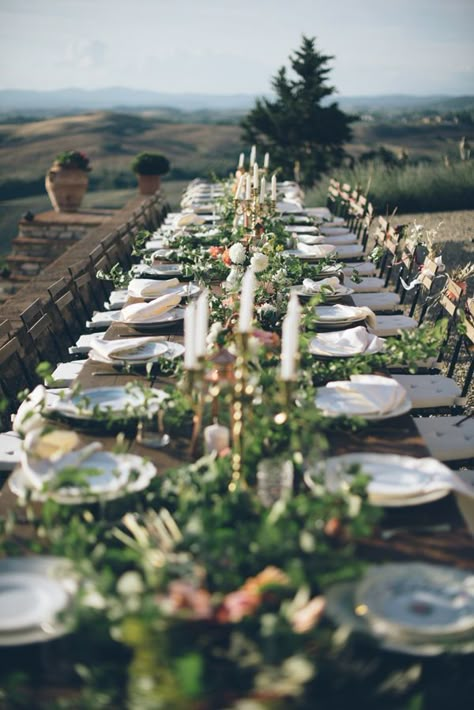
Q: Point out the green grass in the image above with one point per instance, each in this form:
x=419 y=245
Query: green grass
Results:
x=412 y=188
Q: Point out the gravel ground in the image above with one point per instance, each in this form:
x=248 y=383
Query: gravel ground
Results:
x=456 y=234
x=455 y=231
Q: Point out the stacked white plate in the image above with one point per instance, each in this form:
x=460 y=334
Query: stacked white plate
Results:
x=395 y=481
x=330 y=296
x=346 y=343
x=338 y=315
x=104 y=476
x=34 y=592
x=119 y=401
x=312 y=252
x=139 y=354
x=369 y=396
x=416 y=608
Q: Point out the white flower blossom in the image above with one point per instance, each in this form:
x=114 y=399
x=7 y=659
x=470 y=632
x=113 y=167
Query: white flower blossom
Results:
x=259 y=262
x=266 y=308
x=213 y=333
x=237 y=253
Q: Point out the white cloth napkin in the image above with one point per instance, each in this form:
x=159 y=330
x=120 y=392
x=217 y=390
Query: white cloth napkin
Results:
x=346 y=343
x=332 y=283
x=349 y=313
x=149 y=312
x=112 y=349
x=189 y=218
x=142 y=288
x=362 y=395
x=317 y=250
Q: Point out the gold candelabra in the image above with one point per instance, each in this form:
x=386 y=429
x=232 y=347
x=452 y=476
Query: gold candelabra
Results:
x=242 y=394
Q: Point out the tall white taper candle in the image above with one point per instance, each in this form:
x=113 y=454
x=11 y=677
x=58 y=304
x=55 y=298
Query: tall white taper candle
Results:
x=246 y=301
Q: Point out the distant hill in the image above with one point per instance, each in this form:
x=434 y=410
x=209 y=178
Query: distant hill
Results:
x=75 y=100
x=71 y=101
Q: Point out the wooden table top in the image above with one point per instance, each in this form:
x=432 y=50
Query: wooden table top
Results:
x=434 y=532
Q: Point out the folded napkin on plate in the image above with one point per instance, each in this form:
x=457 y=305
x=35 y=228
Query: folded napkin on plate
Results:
x=309 y=239
x=362 y=395
x=149 y=312
x=319 y=250
x=116 y=349
x=342 y=312
x=345 y=343
x=332 y=283
x=141 y=288
x=189 y=218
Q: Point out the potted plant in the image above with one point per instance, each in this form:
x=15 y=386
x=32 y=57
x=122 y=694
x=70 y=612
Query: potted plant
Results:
x=149 y=167
x=67 y=180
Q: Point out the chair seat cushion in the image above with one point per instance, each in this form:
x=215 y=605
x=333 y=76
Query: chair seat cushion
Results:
x=446 y=441
x=369 y=284
x=349 y=238
x=363 y=268
x=383 y=301
x=349 y=251
x=430 y=390
x=65 y=373
x=391 y=325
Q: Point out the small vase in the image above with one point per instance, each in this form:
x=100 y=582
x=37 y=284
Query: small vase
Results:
x=66 y=187
x=148 y=184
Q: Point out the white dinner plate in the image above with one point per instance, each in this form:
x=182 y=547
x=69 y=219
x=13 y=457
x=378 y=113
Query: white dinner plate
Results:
x=329 y=296
x=111 y=476
x=395 y=480
x=325 y=346
x=301 y=229
x=418 y=600
x=341 y=606
x=159 y=271
x=174 y=315
x=116 y=400
x=33 y=592
x=326 y=250
x=336 y=407
x=148 y=353
x=28 y=599
x=118 y=299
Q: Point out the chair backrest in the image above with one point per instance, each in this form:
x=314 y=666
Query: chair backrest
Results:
x=14 y=372
x=428 y=273
x=466 y=339
x=33 y=313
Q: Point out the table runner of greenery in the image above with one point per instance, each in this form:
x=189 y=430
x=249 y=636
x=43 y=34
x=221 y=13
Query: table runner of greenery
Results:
x=196 y=597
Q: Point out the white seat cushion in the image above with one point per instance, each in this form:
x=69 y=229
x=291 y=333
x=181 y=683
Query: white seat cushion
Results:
x=363 y=268
x=65 y=373
x=391 y=325
x=10 y=448
x=369 y=284
x=84 y=343
x=446 y=441
x=349 y=251
x=383 y=301
x=431 y=390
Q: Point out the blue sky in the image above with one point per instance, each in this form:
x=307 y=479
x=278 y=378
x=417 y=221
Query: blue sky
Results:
x=217 y=46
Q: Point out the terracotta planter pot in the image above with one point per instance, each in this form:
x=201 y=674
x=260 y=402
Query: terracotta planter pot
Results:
x=66 y=187
x=148 y=184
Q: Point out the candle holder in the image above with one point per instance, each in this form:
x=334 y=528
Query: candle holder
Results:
x=194 y=388
x=242 y=391
x=288 y=401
